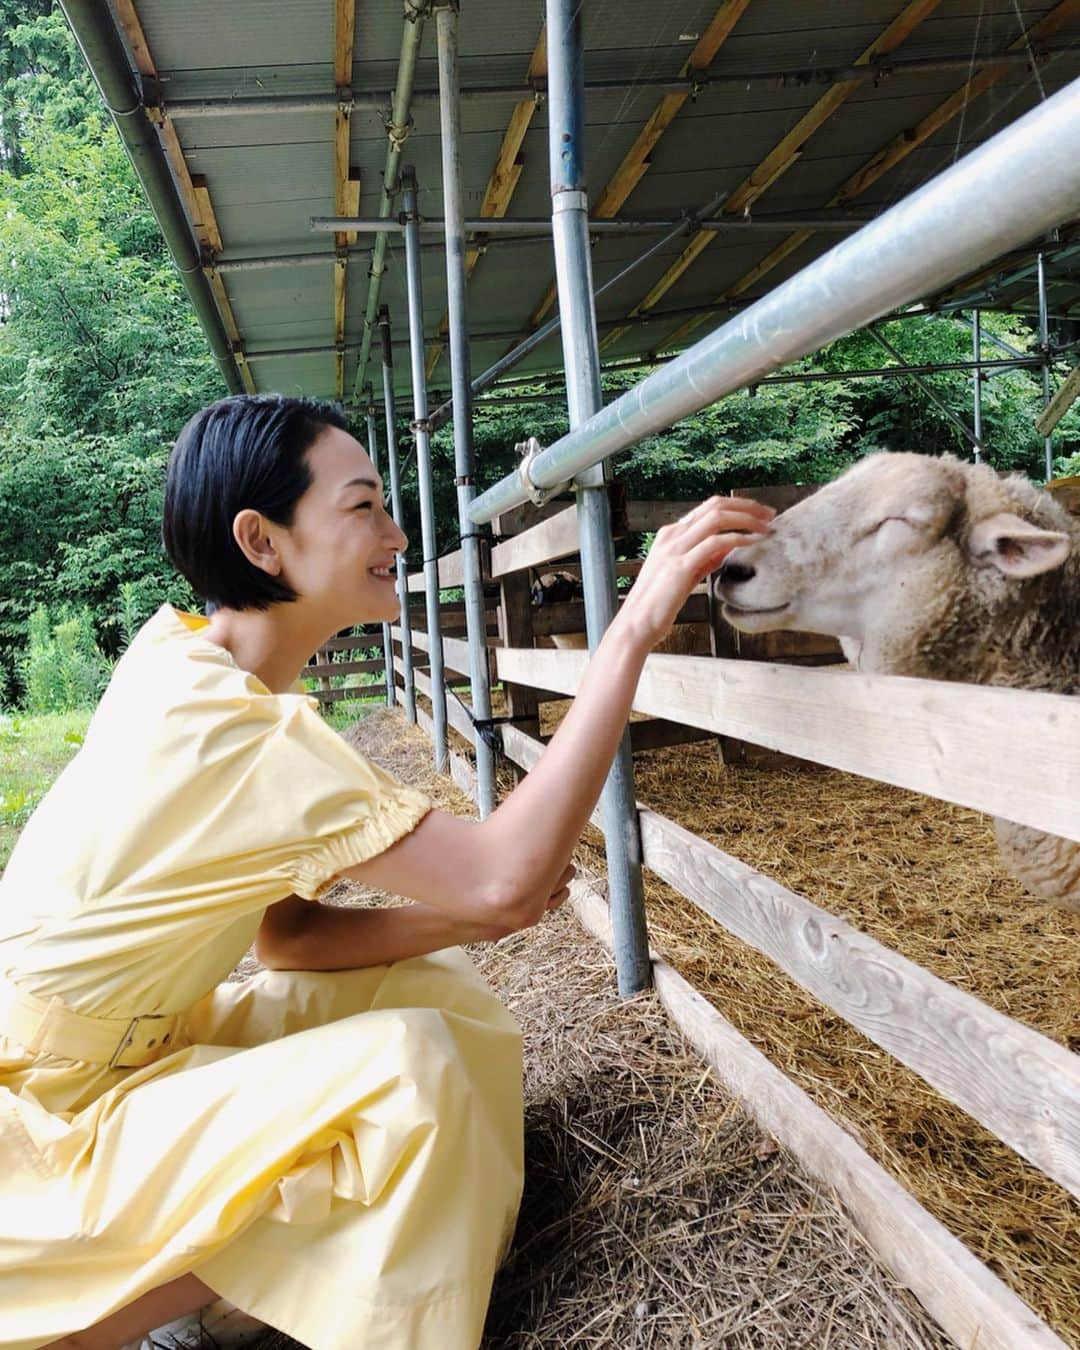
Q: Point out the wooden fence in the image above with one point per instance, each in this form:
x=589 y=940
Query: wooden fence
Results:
x=1005 y=752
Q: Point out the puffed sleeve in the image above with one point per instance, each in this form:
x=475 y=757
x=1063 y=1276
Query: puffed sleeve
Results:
x=349 y=809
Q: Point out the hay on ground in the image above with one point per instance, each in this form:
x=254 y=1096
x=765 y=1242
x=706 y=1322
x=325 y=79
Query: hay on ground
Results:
x=924 y=878
x=656 y=1213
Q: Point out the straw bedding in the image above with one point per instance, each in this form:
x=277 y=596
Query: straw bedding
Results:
x=924 y=878
x=656 y=1215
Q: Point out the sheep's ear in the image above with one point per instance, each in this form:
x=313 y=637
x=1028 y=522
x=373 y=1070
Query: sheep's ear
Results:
x=1015 y=547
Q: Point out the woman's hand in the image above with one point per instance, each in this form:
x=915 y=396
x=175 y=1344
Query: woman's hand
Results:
x=682 y=556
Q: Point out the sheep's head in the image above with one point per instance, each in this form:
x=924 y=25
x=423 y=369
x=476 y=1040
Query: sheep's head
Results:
x=892 y=549
x=555 y=588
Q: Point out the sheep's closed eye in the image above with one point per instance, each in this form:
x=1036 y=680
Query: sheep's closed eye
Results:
x=888 y=520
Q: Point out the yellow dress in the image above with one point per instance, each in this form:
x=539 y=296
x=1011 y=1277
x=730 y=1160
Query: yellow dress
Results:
x=338 y=1154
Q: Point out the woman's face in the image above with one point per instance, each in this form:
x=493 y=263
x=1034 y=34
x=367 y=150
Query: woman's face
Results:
x=338 y=554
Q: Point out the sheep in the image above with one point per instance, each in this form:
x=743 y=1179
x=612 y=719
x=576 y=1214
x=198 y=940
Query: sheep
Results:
x=934 y=568
x=554 y=588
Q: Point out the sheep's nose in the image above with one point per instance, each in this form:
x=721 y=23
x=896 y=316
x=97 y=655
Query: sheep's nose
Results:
x=733 y=571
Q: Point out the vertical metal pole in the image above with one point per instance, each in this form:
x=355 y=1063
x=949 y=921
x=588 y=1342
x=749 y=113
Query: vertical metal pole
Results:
x=976 y=383
x=573 y=270
x=1044 y=345
x=460 y=375
x=396 y=508
x=423 y=465
x=388 y=650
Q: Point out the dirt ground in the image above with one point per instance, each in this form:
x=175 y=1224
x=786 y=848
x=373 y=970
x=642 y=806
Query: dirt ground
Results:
x=656 y=1214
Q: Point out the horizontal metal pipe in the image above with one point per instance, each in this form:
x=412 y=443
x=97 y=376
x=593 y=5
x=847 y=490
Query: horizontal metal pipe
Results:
x=264 y=264
x=506 y=395
x=281 y=260
x=230 y=105
x=619 y=225
x=506 y=401
x=1023 y=182
x=517 y=354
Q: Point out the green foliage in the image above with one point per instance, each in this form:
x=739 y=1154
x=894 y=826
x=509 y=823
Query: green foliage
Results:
x=33 y=750
x=102 y=361
x=62 y=668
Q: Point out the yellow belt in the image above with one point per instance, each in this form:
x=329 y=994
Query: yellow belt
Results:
x=118 y=1042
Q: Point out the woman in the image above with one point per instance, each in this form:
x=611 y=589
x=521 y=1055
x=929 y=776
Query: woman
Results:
x=334 y=1145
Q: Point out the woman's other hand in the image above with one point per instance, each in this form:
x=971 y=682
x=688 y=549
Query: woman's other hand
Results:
x=682 y=556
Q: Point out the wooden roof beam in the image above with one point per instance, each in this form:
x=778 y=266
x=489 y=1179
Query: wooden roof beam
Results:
x=785 y=152
x=897 y=150
x=503 y=181
x=194 y=191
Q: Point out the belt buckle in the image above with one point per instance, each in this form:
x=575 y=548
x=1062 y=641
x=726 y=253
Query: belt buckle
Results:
x=151 y=1048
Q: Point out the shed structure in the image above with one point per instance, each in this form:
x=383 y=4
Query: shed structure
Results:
x=778 y=174
x=803 y=118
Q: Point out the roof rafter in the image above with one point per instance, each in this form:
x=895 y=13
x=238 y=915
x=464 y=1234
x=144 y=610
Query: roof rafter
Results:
x=503 y=181
x=786 y=151
x=346 y=179
x=898 y=149
x=635 y=163
x=193 y=188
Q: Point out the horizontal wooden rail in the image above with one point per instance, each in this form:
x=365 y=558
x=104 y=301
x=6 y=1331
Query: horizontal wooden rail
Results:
x=456 y=714
x=568 y=616
x=973 y=1306
x=628 y=567
x=455 y=651
x=644 y=517
x=352 y=644
x=451 y=573
x=1021 y=1085
x=342 y=668
x=1007 y=752
x=461 y=771
x=354 y=692
x=557 y=536
x=554 y=538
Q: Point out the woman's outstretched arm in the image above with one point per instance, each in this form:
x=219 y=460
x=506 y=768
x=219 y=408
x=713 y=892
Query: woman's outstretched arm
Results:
x=504 y=873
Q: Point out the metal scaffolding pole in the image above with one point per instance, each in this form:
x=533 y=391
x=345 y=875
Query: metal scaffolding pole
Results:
x=464 y=458
x=581 y=355
x=977 y=383
x=397 y=133
x=938 y=402
x=423 y=467
x=1044 y=348
x=388 y=651
x=1022 y=183
x=696 y=81
x=496 y=228
x=396 y=508
x=517 y=354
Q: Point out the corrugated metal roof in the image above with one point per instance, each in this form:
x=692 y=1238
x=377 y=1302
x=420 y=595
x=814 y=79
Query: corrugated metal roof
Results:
x=269 y=173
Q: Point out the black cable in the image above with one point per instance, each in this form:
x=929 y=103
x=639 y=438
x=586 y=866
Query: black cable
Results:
x=485 y=726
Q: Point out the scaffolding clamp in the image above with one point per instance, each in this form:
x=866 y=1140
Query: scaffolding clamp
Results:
x=397 y=133
x=529 y=450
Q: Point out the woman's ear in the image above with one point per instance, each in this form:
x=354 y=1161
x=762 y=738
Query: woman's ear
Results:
x=253 y=536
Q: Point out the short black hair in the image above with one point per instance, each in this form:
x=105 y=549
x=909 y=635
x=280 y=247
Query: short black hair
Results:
x=244 y=452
